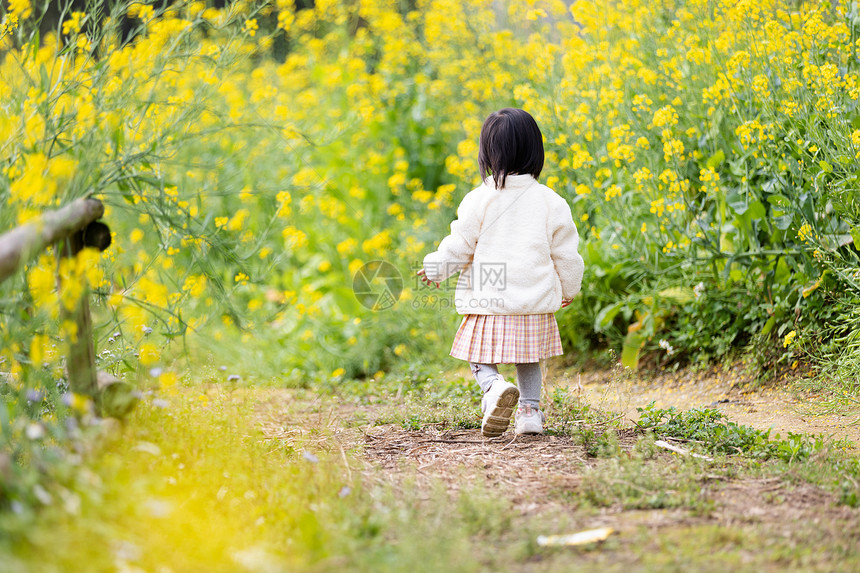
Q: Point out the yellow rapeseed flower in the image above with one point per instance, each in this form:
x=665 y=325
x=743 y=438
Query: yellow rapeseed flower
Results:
x=167 y=380
x=613 y=191
x=665 y=117
x=148 y=354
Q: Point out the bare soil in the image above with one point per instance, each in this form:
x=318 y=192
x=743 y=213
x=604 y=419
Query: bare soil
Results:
x=532 y=469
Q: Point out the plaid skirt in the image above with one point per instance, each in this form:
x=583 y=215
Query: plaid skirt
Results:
x=514 y=339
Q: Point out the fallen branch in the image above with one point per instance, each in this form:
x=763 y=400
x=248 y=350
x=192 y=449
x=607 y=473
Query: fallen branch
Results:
x=454 y=441
x=667 y=446
x=511 y=442
x=684 y=440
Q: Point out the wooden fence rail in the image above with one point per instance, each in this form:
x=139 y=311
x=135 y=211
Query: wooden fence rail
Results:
x=70 y=229
x=24 y=242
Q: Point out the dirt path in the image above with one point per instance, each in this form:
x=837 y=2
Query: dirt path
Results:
x=665 y=509
x=668 y=512
x=537 y=476
x=529 y=468
x=772 y=406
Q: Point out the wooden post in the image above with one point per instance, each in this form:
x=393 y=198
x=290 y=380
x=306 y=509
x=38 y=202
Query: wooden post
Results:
x=64 y=227
x=71 y=229
x=81 y=363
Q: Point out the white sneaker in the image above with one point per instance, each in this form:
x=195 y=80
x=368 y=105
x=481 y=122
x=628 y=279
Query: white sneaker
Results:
x=498 y=405
x=529 y=420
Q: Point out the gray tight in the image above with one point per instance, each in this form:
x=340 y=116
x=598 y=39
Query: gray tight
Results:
x=528 y=379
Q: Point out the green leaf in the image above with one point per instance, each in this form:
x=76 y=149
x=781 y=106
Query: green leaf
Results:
x=772 y=185
x=778 y=200
x=784 y=222
x=44 y=80
x=825 y=166
x=633 y=343
x=678 y=294
x=606 y=315
x=768 y=326
x=125 y=189
x=153 y=180
x=739 y=207
x=35 y=43
x=782 y=272
x=807 y=208
x=855 y=236
x=756 y=211
x=715 y=159
x=727 y=243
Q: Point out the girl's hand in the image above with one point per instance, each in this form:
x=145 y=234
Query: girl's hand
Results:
x=565 y=302
x=425 y=280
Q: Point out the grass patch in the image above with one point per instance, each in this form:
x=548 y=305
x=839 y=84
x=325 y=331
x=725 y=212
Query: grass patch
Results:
x=413 y=397
x=637 y=483
x=446 y=413
x=567 y=412
x=195 y=486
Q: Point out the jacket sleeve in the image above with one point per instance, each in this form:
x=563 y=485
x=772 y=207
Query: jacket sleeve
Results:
x=455 y=252
x=564 y=251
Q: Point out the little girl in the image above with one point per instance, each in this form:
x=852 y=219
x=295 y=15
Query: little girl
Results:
x=515 y=245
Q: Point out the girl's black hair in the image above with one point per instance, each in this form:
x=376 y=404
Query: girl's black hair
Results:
x=511 y=143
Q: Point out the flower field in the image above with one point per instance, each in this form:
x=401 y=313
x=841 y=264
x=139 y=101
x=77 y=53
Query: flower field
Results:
x=253 y=158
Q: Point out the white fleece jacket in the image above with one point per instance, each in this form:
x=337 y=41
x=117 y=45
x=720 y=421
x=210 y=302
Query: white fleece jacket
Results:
x=515 y=249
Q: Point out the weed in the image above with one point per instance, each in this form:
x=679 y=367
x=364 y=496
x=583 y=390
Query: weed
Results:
x=483 y=513
x=413 y=413
x=835 y=378
x=711 y=430
x=636 y=482
x=598 y=443
x=849 y=493
x=566 y=412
